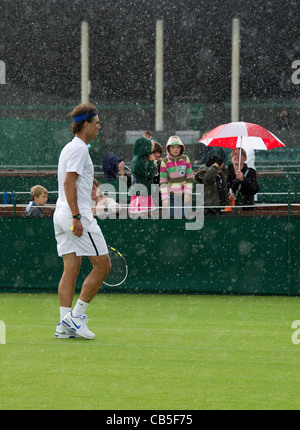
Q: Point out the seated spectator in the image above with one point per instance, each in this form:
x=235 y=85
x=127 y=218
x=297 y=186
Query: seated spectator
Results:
x=242 y=181
x=213 y=174
x=113 y=167
x=39 y=197
x=101 y=204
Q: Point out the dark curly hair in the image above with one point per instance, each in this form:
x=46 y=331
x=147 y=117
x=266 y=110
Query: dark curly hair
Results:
x=80 y=110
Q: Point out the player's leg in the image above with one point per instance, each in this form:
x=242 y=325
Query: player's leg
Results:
x=91 y=244
x=76 y=319
x=66 y=287
x=66 y=291
x=92 y=283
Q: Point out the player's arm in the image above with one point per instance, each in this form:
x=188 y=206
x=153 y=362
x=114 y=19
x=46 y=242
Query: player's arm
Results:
x=71 y=196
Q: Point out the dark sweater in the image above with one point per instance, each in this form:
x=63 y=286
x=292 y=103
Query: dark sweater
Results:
x=244 y=190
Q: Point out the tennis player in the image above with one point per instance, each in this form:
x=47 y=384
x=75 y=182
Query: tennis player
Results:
x=76 y=230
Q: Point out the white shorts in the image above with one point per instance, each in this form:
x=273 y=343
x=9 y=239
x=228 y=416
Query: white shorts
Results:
x=91 y=243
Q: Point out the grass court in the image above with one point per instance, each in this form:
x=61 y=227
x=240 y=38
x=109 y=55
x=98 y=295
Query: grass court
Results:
x=157 y=352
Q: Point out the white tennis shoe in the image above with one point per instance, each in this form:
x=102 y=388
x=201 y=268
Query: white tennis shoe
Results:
x=78 y=325
x=63 y=332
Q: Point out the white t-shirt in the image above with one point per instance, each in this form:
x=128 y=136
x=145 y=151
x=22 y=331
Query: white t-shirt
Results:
x=75 y=157
x=106 y=207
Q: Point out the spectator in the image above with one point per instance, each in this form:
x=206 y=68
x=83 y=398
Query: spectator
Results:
x=147 y=134
x=157 y=152
x=242 y=179
x=39 y=197
x=176 y=175
x=211 y=150
x=113 y=167
x=143 y=171
x=284 y=122
x=101 y=204
x=213 y=175
x=95 y=192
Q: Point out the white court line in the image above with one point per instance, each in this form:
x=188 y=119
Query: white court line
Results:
x=216 y=331
x=112 y=345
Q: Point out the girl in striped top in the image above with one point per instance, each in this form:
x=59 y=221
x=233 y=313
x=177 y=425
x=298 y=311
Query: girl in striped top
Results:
x=176 y=175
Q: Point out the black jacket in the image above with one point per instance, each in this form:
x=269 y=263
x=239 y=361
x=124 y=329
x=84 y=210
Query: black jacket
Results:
x=244 y=190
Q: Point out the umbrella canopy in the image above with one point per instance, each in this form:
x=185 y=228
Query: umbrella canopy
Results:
x=241 y=135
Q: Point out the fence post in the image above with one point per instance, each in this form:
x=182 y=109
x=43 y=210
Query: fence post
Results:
x=13 y=198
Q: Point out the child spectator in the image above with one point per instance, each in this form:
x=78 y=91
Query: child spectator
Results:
x=39 y=197
x=143 y=171
x=101 y=204
x=157 y=152
x=176 y=175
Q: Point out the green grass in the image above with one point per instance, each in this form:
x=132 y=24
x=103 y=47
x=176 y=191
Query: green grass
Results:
x=152 y=352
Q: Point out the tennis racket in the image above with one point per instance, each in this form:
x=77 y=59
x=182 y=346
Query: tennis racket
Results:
x=119 y=268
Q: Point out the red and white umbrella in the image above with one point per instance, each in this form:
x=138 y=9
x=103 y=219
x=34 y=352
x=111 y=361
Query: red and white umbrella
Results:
x=241 y=135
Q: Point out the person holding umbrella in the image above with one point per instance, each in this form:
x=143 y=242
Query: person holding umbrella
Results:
x=240 y=136
x=242 y=179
